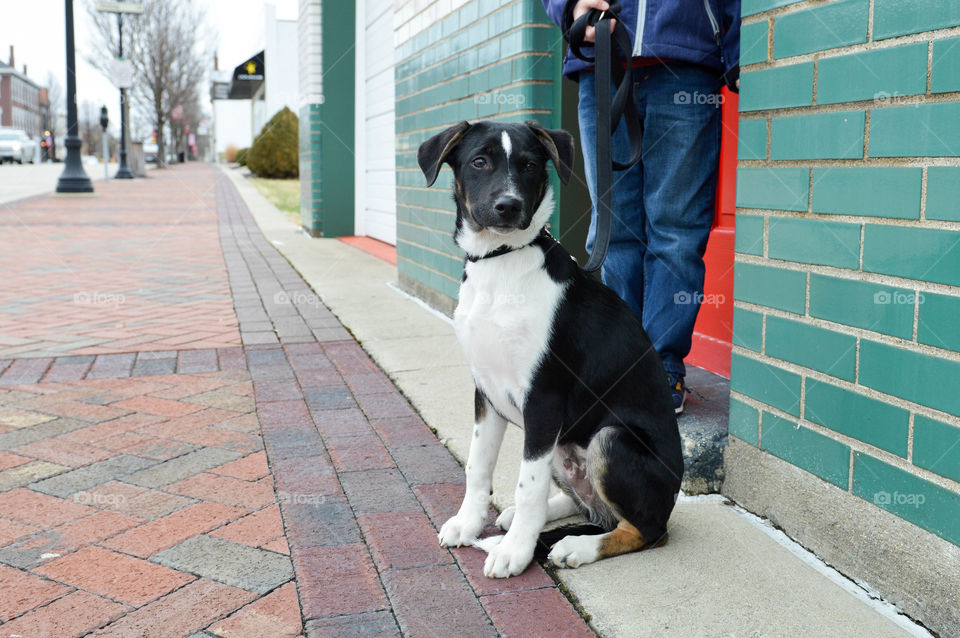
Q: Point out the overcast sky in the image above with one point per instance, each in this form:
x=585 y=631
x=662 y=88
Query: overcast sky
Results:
x=36 y=30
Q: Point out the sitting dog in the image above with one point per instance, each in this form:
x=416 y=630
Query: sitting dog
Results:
x=557 y=353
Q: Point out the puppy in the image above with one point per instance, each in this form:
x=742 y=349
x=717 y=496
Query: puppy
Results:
x=556 y=352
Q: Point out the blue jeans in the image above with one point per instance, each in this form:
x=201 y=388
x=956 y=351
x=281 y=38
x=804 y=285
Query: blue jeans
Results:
x=663 y=207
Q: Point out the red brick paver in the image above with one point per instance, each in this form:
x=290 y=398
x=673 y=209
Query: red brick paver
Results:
x=136 y=268
x=158 y=478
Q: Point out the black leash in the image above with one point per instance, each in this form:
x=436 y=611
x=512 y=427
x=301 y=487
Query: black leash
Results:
x=609 y=112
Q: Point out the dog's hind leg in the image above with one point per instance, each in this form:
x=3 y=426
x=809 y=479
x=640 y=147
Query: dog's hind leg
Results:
x=488 y=429
x=636 y=485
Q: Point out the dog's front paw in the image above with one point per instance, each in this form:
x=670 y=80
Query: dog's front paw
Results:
x=506 y=518
x=573 y=551
x=460 y=530
x=509 y=558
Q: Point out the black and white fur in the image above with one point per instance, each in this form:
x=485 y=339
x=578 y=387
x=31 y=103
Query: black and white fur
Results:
x=556 y=352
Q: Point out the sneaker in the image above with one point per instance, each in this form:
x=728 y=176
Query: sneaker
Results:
x=679 y=391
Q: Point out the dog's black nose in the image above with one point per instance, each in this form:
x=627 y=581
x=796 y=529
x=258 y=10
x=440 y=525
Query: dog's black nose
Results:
x=508 y=206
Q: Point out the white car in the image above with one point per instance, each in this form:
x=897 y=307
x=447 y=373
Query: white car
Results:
x=16 y=146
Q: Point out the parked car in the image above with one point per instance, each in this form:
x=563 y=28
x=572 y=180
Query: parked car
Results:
x=150 y=151
x=16 y=146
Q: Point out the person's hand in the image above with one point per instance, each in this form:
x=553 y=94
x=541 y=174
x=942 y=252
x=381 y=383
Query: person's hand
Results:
x=585 y=5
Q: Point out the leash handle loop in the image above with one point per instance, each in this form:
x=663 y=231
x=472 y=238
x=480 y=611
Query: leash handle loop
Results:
x=610 y=110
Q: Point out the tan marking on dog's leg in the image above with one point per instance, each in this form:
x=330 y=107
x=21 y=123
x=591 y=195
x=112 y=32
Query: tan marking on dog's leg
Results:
x=624 y=539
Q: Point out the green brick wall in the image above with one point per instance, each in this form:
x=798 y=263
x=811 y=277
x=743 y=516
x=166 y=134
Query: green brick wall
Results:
x=486 y=60
x=846 y=328
x=311 y=176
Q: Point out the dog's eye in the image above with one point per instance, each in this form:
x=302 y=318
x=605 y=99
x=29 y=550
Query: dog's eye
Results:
x=530 y=166
x=479 y=162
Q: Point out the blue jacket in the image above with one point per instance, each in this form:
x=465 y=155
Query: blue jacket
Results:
x=702 y=32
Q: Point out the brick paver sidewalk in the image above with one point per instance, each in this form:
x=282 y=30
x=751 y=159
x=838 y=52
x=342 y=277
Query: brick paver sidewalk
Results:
x=160 y=485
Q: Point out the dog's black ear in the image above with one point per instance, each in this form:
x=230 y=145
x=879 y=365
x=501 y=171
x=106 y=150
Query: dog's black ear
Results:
x=559 y=145
x=434 y=151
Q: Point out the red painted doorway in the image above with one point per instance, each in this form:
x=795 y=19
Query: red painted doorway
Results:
x=714 y=328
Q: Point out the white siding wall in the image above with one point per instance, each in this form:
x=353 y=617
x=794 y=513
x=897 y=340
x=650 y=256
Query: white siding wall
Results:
x=375 y=139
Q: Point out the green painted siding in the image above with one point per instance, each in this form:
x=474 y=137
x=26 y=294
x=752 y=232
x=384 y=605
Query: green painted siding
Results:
x=815 y=241
x=884 y=309
x=744 y=421
x=809 y=450
x=873 y=75
x=901 y=17
x=747 y=329
x=768 y=286
x=777 y=88
x=936 y=446
x=765 y=383
x=873 y=192
x=748 y=238
x=848 y=196
x=827 y=351
x=858 y=416
x=820 y=27
x=753 y=43
x=487 y=60
x=752 y=139
x=908 y=496
x=783 y=188
x=821 y=136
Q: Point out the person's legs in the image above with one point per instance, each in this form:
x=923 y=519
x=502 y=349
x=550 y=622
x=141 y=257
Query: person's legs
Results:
x=623 y=268
x=681 y=150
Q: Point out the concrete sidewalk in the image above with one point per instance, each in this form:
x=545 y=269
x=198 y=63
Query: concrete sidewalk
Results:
x=723 y=573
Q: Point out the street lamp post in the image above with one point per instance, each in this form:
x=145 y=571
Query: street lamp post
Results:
x=122 y=172
x=73 y=179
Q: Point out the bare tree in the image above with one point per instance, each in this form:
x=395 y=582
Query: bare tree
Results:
x=57 y=105
x=166 y=46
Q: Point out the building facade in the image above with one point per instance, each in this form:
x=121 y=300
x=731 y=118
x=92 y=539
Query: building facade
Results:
x=838 y=217
x=845 y=375
x=19 y=99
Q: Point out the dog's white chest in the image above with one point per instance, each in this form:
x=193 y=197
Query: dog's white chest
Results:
x=503 y=322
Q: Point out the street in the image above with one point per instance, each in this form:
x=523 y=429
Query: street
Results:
x=19 y=181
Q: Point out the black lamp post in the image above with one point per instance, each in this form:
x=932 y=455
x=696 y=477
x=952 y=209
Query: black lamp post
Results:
x=73 y=179
x=122 y=172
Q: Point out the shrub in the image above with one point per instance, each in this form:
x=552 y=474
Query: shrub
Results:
x=275 y=152
x=230 y=154
x=241 y=157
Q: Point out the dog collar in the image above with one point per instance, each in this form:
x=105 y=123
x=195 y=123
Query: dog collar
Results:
x=503 y=250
